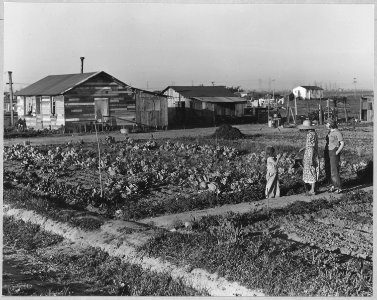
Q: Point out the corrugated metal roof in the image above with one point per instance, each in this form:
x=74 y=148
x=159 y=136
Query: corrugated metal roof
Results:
x=55 y=84
x=201 y=91
x=220 y=99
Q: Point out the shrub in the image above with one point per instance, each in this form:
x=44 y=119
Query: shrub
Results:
x=227 y=132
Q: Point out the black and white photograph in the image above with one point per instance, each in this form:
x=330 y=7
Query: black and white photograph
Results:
x=187 y=148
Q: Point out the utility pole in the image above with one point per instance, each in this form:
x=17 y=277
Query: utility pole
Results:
x=360 y=108
x=345 y=105
x=320 y=111
x=11 y=98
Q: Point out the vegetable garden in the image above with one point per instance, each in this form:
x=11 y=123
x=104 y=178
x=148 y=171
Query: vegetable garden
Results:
x=138 y=179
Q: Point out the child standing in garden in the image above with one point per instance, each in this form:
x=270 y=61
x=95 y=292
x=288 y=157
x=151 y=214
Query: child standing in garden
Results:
x=272 y=185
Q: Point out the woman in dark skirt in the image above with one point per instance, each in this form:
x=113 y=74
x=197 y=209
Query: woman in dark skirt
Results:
x=333 y=148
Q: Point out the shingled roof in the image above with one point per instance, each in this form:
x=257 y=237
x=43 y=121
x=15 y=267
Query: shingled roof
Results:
x=53 y=85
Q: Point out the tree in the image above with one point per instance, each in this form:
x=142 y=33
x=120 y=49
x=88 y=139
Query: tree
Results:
x=235 y=89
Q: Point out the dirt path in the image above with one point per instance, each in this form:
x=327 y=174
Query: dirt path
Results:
x=193 y=132
x=169 y=221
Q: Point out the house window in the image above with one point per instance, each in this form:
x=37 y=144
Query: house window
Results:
x=38 y=105
x=30 y=108
x=53 y=105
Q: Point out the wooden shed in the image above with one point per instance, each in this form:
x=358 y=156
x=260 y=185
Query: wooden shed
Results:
x=367 y=109
x=151 y=110
x=73 y=100
x=202 y=105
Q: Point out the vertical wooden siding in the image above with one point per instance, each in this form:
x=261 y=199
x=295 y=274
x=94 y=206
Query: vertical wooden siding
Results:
x=151 y=110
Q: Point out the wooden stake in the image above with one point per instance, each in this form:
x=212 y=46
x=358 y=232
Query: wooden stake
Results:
x=99 y=161
x=11 y=98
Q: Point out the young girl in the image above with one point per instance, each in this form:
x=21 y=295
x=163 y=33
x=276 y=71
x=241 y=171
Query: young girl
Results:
x=272 y=186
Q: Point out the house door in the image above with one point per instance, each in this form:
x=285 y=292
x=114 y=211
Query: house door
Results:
x=101 y=109
x=181 y=113
x=364 y=115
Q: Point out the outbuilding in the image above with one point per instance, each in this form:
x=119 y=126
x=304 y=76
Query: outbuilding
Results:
x=306 y=92
x=201 y=105
x=73 y=100
x=367 y=109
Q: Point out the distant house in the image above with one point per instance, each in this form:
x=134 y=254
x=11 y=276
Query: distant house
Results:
x=7 y=110
x=188 y=105
x=367 y=109
x=241 y=94
x=73 y=100
x=308 y=92
x=7 y=102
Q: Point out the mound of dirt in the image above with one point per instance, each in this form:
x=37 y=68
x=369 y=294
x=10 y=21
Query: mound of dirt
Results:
x=227 y=132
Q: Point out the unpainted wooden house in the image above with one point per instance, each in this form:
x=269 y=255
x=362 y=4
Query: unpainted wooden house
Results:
x=201 y=105
x=73 y=100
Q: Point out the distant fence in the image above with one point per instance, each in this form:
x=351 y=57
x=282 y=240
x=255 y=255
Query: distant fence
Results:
x=7 y=119
x=107 y=123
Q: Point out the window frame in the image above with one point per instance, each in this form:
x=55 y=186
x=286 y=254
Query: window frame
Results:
x=53 y=106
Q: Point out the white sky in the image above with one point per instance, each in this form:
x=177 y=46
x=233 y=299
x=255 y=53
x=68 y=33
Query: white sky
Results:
x=156 y=45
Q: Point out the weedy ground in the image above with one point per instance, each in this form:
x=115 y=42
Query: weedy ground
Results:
x=37 y=263
x=251 y=249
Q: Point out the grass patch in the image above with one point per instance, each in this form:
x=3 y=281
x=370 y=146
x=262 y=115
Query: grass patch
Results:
x=182 y=203
x=241 y=248
x=51 y=207
x=27 y=236
x=84 y=271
